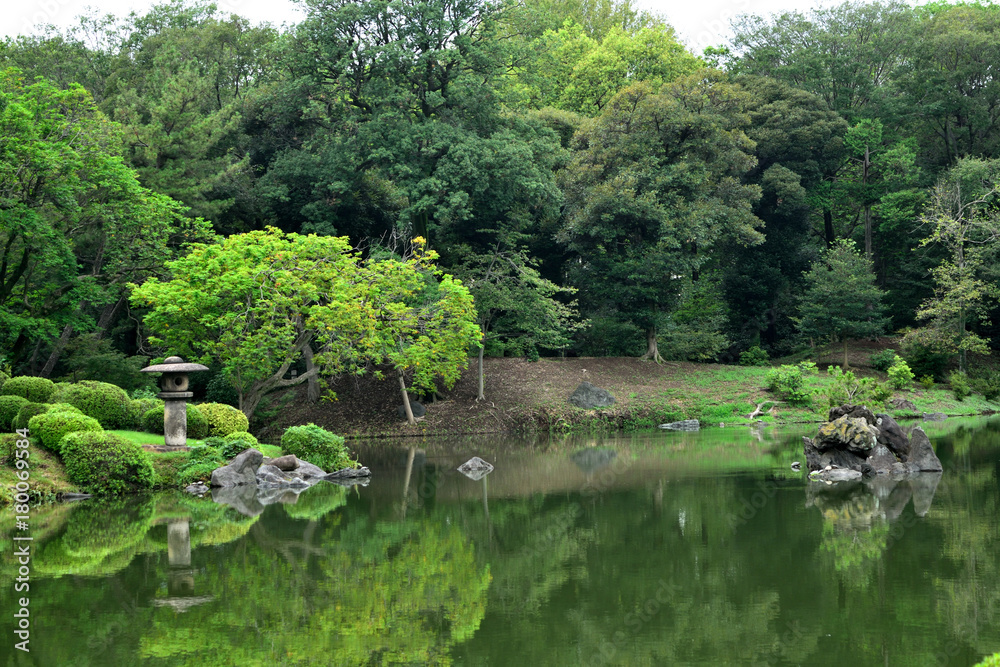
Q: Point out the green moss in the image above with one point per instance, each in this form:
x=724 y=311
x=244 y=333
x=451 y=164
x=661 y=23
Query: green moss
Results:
x=106 y=464
x=50 y=427
x=36 y=390
x=223 y=419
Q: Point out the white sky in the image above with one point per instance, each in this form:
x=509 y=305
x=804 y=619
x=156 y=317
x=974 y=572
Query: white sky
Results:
x=699 y=23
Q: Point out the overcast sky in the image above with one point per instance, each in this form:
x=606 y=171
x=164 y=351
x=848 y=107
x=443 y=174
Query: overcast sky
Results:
x=699 y=23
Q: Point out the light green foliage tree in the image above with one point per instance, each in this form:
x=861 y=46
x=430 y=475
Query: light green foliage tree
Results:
x=962 y=219
x=255 y=302
x=841 y=300
x=653 y=186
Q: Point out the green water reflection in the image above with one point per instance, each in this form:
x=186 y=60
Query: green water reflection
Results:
x=647 y=549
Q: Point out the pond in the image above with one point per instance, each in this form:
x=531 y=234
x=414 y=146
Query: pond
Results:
x=641 y=549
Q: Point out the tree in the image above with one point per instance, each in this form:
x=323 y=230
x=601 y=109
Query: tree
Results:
x=962 y=219
x=255 y=302
x=841 y=299
x=75 y=225
x=654 y=185
x=518 y=309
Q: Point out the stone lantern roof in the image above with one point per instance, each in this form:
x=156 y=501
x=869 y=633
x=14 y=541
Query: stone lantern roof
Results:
x=174 y=365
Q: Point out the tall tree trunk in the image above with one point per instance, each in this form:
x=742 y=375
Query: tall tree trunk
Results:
x=104 y=321
x=406 y=399
x=57 y=349
x=847 y=364
x=868 y=233
x=831 y=236
x=312 y=388
x=481 y=396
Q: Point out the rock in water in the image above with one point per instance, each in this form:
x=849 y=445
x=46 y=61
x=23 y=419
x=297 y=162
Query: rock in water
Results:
x=934 y=416
x=286 y=462
x=881 y=459
x=475 y=468
x=892 y=436
x=922 y=457
x=854 y=411
x=852 y=433
x=589 y=397
x=242 y=470
x=348 y=473
x=902 y=404
x=685 y=425
x=839 y=458
x=416 y=408
x=834 y=475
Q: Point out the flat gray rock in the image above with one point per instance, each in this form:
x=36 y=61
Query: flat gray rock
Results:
x=475 y=468
x=683 y=425
x=835 y=475
x=348 y=473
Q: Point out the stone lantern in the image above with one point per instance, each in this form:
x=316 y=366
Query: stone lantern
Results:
x=174 y=392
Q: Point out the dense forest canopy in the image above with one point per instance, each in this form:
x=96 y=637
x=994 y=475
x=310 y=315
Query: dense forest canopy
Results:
x=600 y=189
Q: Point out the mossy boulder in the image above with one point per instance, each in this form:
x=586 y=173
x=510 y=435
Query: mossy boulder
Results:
x=36 y=390
x=9 y=407
x=197 y=425
x=107 y=403
x=223 y=419
x=851 y=433
x=106 y=464
x=49 y=428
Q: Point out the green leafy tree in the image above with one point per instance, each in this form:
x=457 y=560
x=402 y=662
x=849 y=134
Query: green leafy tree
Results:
x=255 y=303
x=962 y=220
x=518 y=309
x=654 y=185
x=841 y=300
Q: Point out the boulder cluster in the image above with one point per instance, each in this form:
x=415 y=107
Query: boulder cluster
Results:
x=251 y=468
x=856 y=442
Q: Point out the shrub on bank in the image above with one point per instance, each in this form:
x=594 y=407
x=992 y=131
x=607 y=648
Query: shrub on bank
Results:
x=36 y=390
x=107 y=403
x=138 y=407
x=3 y=378
x=223 y=419
x=232 y=444
x=317 y=446
x=9 y=406
x=197 y=425
x=49 y=428
x=106 y=464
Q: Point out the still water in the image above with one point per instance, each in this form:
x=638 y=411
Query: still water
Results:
x=642 y=549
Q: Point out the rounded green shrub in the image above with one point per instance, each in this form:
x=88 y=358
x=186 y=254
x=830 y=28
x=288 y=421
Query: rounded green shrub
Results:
x=234 y=443
x=755 y=356
x=107 y=403
x=137 y=408
x=7 y=444
x=317 y=446
x=197 y=425
x=9 y=405
x=3 y=378
x=106 y=464
x=223 y=419
x=204 y=453
x=27 y=411
x=48 y=428
x=36 y=390
x=900 y=375
x=883 y=359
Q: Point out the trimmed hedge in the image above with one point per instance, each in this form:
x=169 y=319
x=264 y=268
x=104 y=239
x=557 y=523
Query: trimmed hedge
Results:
x=36 y=390
x=48 y=428
x=138 y=407
x=3 y=378
x=107 y=403
x=106 y=464
x=317 y=446
x=27 y=411
x=233 y=444
x=223 y=419
x=197 y=425
x=9 y=406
